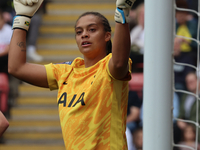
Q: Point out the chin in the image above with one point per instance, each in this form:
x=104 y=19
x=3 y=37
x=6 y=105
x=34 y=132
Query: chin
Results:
x=85 y=51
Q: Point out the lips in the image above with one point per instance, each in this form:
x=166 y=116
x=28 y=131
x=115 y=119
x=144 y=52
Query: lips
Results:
x=85 y=43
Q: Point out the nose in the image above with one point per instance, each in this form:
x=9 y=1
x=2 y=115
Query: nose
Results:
x=85 y=34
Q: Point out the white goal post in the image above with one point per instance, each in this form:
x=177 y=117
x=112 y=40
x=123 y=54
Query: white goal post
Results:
x=158 y=75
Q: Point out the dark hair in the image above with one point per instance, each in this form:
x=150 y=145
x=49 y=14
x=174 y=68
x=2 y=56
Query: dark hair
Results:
x=106 y=25
x=182 y=4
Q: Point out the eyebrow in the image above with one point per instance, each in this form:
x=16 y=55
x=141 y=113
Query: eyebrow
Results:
x=92 y=24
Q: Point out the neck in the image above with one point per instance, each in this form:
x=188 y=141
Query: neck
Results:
x=183 y=24
x=190 y=141
x=92 y=61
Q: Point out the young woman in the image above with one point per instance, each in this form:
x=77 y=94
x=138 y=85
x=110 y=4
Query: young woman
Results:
x=92 y=92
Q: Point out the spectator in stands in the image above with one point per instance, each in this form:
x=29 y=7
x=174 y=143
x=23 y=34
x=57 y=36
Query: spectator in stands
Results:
x=5 y=37
x=187 y=105
x=132 y=14
x=187 y=27
x=180 y=71
x=133 y=111
x=188 y=101
x=185 y=50
x=133 y=117
x=176 y=109
x=129 y=137
x=137 y=37
x=138 y=138
x=188 y=138
x=8 y=11
x=137 y=33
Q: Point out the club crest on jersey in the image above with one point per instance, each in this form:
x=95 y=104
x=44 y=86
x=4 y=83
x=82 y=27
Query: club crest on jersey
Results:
x=73 y=102
x=27 y=23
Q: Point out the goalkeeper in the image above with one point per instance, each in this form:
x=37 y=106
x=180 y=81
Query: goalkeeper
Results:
x=92 y=92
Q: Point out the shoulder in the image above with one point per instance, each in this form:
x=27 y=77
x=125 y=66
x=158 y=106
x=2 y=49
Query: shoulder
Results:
x=65 y=63
x=192 y=22
x=105 y=60
x=107 y=57
x=183 y=98
x=58 y=66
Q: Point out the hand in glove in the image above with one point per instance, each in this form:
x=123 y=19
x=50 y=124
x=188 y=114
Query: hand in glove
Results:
x=25 y=9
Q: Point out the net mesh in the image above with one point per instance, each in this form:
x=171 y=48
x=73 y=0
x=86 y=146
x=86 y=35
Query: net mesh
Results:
x=196 y=68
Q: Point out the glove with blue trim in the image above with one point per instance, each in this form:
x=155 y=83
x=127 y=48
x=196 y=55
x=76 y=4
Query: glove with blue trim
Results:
x=25 y=9
x=122 y=10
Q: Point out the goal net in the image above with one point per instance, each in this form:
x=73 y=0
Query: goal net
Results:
x=187 y=120
x=161 y=32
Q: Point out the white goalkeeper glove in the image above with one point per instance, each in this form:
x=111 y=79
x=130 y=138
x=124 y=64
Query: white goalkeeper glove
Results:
x=122 y=10
x=25 y=9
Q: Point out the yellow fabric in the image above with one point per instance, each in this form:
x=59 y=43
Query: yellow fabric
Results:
x=184 y=31
x=92 y=105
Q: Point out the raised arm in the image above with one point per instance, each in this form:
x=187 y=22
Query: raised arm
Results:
x=118 y=64
x=17 y=66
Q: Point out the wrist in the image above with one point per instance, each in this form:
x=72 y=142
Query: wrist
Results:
x=21 y=22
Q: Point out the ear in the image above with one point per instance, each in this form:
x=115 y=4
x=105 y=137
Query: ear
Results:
x=107 y=36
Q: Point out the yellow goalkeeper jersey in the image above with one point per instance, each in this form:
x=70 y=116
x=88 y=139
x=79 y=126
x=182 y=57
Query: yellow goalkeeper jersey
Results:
x=92 y=104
